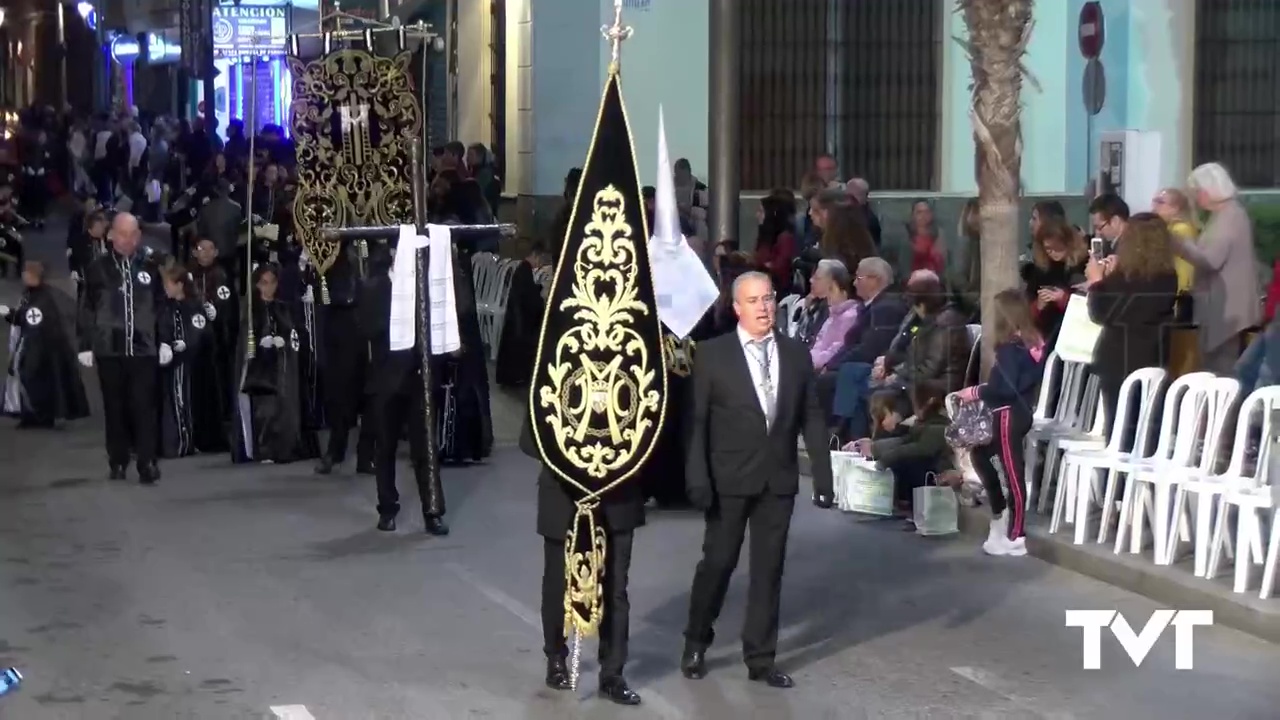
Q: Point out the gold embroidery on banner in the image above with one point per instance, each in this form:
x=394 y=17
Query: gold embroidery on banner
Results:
x=584 y=573
x=678 y=354
x=353 y=117
x=602 y=410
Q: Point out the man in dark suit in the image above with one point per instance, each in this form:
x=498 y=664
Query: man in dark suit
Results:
x=753 y=396
x=623 y=511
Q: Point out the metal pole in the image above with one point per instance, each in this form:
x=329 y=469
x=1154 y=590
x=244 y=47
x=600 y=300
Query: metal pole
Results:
x=210 y=116
x=103 y=64
x=724 y=123
x=62 y=55
x=418 y=156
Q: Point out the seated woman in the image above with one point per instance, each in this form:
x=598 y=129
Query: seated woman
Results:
x=843 y=312
x=182 y=327
x=43 y=380
x=921 y=450
x=1058 y=257
x=267 y=427
x=1131 y=295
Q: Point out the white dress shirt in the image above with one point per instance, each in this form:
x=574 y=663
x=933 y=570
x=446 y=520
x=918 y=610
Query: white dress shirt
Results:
x=137 y=148
x=757 y=371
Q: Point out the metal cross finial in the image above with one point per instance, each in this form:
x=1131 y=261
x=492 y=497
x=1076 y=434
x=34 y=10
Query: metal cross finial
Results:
x=615 y=34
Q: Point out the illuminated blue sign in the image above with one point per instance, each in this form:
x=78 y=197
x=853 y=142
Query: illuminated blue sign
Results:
x=125 y=49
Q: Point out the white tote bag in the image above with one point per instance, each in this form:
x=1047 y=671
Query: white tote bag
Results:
x=1078 y=335
x=936 y=510
x=860 y=486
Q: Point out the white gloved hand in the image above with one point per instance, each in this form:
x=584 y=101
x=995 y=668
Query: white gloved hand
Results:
x=309 y=296
x=210 y=311
x=75 y=276
x=86 y=359
x=166 y=354
x=4 y=309
x=68 y=252
x=279 y=342
x=179 y=346
x=267 y=342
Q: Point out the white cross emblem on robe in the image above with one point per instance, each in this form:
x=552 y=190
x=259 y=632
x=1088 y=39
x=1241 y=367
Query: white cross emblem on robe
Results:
x=34 y=316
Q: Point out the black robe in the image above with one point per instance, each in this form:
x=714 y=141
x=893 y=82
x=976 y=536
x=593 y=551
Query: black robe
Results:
x=42 y=383
x=212 y=366
x=520 y=329
x=461 y=395
x=267 y=424
x=185 y=328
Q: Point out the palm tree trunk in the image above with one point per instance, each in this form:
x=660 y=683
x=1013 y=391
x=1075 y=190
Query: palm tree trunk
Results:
x=999 y=31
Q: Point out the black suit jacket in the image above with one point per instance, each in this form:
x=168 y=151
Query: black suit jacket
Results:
x=730 y=449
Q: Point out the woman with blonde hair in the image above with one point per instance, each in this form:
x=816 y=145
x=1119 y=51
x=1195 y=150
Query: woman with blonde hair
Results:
x=1174 y=207
x=1058 y=258
x=1131 y=295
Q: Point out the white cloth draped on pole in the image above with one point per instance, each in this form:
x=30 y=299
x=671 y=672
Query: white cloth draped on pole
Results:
x=404 y=288
x=683 y=287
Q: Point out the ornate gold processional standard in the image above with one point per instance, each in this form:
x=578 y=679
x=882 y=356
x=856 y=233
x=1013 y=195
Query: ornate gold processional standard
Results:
x=599 y=390
x=354 y=117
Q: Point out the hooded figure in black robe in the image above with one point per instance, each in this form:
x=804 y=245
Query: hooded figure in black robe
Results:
x=267 y=422
x=212 y=364
x=183 y=328
x=519 y=342
x=461 y=395
x=42 y=383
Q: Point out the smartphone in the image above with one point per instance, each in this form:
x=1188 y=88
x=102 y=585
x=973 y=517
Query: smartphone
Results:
x=1097 y=248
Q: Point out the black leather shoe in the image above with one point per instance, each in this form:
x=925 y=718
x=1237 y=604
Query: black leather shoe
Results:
x=771 y=676
x=435 y=526
x=693 y=664
x=387 y=523
x=148 y=474
x=325 y=466
x=615 y=688
x=557 y=674
x=366 y=467
x=118 y=472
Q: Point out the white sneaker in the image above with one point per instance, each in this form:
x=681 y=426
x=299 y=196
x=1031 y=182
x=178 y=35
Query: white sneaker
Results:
x=1004 y=547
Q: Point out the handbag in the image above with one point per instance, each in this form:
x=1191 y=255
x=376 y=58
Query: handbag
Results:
x=935 y=510
x=860 y=486
x=971 y=425
x=1078 y=335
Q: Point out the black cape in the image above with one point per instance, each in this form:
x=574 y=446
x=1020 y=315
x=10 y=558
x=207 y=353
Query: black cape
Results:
x=185 y=328
x=43 y=380
x=461 y=394
x=267 y=418
x=519 y=342
x=212 y=365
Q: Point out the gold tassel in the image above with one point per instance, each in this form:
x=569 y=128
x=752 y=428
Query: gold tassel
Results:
x=583 y=582
x=324 y=290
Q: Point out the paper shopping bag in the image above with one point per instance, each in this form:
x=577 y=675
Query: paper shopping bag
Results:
x=860 y=486
x=936 y=510
x=1078 y=335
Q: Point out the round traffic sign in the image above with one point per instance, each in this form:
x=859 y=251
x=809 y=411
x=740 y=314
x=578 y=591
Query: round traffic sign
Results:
x=1095 y=86
x=1092 y=30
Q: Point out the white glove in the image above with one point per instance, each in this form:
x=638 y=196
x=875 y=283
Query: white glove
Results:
x=267 y=342
x=279 y=342
x=210 y=311
x=166 y=354
x=4 y=309
x=75 y=276
x=86 y=359
x=309 y=296
x=179 y=346
x=68 y=252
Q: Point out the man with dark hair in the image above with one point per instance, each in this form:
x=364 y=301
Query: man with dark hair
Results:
x=458 y=152
x=1109 y=215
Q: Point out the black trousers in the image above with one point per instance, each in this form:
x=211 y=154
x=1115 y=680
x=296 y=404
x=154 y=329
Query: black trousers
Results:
x=615 y=627
x=346 y=363
x=130 y=407
x=396 y=410
x=769 y=517
x=1000 y=463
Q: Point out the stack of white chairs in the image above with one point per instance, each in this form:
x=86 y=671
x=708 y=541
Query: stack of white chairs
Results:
x=492 y=278
x=790 y=308
x=1067 y=414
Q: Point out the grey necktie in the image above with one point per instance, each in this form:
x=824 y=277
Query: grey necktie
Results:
x=762 y=350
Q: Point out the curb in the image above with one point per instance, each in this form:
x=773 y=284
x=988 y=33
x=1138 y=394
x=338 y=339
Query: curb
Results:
x=1171 y=586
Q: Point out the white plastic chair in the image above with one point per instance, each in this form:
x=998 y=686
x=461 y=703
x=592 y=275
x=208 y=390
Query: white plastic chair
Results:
x=498 y=302
x=1249 y=502
x=1255 y=412
x=1051 y=415
x=789 y=310
x=1201 y=424
x=1080 y=418
x=1082 y=458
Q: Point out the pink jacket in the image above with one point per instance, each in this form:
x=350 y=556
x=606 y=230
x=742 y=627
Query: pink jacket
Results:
x=831 y=336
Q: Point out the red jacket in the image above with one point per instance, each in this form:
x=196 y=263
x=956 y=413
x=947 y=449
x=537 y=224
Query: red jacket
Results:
x=1273 y=294
x=776 y=259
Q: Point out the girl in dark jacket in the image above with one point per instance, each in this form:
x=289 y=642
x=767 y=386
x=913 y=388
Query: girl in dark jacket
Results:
x=1010 y=395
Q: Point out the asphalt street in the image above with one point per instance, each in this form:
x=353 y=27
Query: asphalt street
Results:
x=225 y=592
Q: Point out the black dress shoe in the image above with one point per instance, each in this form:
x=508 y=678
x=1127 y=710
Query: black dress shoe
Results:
x=148 y=474
x=435 y=526
x=693 y=664
x=771 y=676
x=387 y=523
x=366 y=468
x=117 y=472
x=615 y=688
x=325 y=466
x=558 y=674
